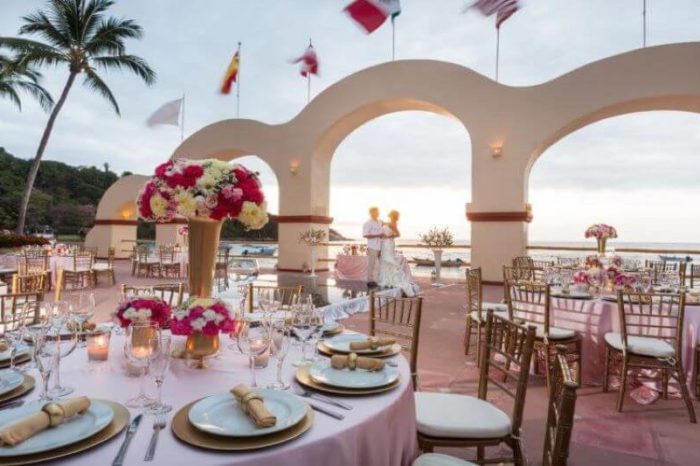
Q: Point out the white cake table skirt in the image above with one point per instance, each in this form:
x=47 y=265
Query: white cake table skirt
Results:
x=354 y=268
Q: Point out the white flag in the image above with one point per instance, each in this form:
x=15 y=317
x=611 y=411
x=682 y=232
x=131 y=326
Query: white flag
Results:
x=168 y=114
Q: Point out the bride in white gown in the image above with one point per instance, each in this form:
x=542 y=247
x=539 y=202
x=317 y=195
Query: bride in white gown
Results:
x=392 y=267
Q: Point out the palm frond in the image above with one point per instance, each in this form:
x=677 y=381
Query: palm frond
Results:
x=8 y=91
x=32 y=52
x=110 y=34
x=136 y=65
x=41 y=95
x=92 y=16
x=38 y=23
x=95 y=83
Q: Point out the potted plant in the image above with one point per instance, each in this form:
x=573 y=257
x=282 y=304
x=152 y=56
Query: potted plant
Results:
x=437 y=239
x=313 y=237
x=206 y=192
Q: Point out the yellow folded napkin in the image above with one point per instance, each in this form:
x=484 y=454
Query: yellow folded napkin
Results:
x=353 y=361
x=51 y=415
x=253 y=405
x=371 y=343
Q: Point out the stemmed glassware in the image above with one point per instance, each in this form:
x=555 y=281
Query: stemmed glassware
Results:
x=279 y=347
x=15 y=331
x=45 y=363
x=159 y=363
x=138 y=349
x=253 y=340
x=82 y=309
x=62 y=339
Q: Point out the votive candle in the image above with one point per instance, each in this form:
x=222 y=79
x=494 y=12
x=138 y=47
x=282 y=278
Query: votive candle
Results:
x=98 y=346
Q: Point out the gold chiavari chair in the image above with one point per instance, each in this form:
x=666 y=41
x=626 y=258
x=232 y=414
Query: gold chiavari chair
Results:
x=288 y=295
x=651 y=337
x=20 y=305
x=89 y=249
x=146 y=266
x=692 y=275
x=105 y=268
x=398 y=318
x=476 y=310
x=80 y=275
x=531 y=303
x=452 y=420
x=568 y=262
x=169 y=266
x=171 y=293
x=29 y=283
x=560 y=421
x=221 y=267
x=33 y=265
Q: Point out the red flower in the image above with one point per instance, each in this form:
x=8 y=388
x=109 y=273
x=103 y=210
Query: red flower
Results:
x=251 y=190
x=193 y=172
x=145 y=200
x=162 y=168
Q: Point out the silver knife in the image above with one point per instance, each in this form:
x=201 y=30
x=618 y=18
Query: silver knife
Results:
x=133 y=427
x=332 y=401
x=327 y=412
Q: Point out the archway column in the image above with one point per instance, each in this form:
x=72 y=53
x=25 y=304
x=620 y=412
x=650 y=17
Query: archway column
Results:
x=119 y=234
x=167 y=233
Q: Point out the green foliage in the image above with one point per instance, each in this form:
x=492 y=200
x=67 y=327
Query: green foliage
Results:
x=234 y=230
x=64 y=197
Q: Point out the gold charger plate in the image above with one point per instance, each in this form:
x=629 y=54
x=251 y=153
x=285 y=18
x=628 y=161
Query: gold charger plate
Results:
x=393 y=350
x=5 y=363
x=26 y=387
x=120 y=420
x=189 y=434
x=304 y=378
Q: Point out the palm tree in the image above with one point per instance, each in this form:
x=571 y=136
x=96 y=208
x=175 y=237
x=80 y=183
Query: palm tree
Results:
x=79 y=34
x=15 y=76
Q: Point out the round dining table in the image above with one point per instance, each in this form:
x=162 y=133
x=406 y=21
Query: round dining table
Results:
x=593 y=318
x=55 y=263
x=379 y=430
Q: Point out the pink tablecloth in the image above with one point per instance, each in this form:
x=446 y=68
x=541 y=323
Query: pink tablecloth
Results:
x=354 y=268
x=380 y=430
x=593 y=319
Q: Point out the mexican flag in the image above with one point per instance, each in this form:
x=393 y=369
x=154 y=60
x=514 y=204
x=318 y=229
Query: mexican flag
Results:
x=370 y=14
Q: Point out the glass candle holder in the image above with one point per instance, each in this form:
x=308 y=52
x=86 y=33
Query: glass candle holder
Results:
x=98 y=346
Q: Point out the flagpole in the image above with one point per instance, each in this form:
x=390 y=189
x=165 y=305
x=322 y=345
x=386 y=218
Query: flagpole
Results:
x=644 y=23
x=308 y=81
x=238 y=83
x=182 y=125
x=393 y=39
x=498 y=49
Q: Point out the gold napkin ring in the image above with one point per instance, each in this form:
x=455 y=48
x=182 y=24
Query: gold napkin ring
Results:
x=352 y=361
x=373 y=343
x=250 y=396
x=55 y=412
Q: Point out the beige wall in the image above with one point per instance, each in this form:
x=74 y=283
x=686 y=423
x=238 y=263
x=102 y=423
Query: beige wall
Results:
x=524 y=120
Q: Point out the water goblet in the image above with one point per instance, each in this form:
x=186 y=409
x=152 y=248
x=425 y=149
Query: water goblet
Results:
x=279 y=347
x=158 y=366
x=253 y=340
x=138 y=349
x=82 y=309
x=62 y=341
x=45 y=363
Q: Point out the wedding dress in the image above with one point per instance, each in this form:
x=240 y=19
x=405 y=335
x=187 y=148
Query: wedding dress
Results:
x=392 y=269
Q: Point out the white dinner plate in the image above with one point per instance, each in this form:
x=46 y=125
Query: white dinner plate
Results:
x=221 y=414
x=9 y=380
x=572 y=294
x=323 y=372
x=341 y=343
x=79 y=427
x=330 y=327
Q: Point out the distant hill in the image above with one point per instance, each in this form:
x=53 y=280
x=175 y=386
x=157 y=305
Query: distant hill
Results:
x=64 y=197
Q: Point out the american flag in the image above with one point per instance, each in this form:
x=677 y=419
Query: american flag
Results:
x=504 y=9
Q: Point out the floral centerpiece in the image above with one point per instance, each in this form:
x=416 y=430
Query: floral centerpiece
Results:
x=142 y=310
x=437 y=239
x=201 y=320
x=354 y=249
x=601 y=232
x=183 y=232
x=313 y=237
x=206 y=192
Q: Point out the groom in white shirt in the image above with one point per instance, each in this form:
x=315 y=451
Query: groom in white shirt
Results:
x=373 y=231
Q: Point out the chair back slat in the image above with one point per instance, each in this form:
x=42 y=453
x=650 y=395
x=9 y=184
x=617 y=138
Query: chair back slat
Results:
x=655 y=315
x=289 y=295
x=82 y=261
x=399 y=318
x=560 y=415
x=29 y=283
x=171 y=293
x=16 y=307
x=474 y=291
x=530 y=302
x=505 y=358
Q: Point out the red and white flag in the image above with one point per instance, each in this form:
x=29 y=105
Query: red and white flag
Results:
x=309 y=62
x=504 y=9
x=370 y=14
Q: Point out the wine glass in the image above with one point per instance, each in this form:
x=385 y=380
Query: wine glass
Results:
x=253 y=340
x=82 y=309
x=317 y=323
x=159 y=363
x=45 y=363
x=62 y=341
x=15 y=330
x=303 y=326
x=138 y=350
x=279 y=347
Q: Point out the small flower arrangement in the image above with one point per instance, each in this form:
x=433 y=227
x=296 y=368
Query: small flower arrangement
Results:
x=601 y=230
x=312 y=236
x=209 y=316
x=625 y=281
x=354 y=249
x=581 y=277
x=143 y=309
x=438 y=238
x=184 y=230
x=207 y=188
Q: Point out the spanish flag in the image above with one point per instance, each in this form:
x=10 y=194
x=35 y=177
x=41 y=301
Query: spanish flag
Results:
x=231 y=73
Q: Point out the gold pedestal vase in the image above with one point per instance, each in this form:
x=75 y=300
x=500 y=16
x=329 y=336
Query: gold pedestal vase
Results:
x=199 y=347
x=203 y=241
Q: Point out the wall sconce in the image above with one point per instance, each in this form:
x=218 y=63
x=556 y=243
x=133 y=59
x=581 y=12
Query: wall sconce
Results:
x=294 y=167
x=496 y=150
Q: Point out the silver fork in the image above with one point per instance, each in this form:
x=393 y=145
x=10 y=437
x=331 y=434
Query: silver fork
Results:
x=299 y=390
x=158 y=425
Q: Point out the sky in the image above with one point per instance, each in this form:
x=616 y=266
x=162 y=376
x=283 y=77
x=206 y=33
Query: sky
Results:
x=638 y=172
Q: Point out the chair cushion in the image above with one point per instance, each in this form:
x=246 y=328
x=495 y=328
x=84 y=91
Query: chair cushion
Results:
x=436 y=459
x=101 y=267
x=459 y=416
x=475 y=316
x=555 y=333
x=497 y=307
x=643 y=346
